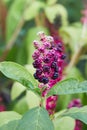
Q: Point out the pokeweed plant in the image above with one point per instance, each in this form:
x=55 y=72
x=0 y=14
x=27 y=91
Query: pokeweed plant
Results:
x=49 y=62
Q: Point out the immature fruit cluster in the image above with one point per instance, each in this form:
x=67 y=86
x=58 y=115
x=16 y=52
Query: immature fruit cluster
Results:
x=51 y=104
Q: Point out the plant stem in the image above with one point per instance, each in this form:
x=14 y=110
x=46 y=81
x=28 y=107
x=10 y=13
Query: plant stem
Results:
x=12 y=40
x=75 y=58
x=41 y=102
x=15 y=34
x=37 y=20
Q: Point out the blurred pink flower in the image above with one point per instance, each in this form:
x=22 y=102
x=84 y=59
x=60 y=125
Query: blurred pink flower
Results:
x=2 y=108
x=84 y=18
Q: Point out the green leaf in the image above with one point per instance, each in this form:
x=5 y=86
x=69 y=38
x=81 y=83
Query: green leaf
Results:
x=6 y=117
x=12 y=125
x=69 y=86
x=16 y=90
x=33 y=10
x=32 y=99
x=74 y=73
x=17 y=72
x=14 y=14
x=77 y=113
x=30 y=68
x=22 y=103
x=57 y=9
x=36 y=119
x=73 y=40
x=65 y=123
x=83 y=84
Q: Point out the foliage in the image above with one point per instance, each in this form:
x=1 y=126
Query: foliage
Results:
x=37 y=118
x=19 y=92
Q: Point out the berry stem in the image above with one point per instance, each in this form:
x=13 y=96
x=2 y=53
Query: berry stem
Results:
x=41 y=102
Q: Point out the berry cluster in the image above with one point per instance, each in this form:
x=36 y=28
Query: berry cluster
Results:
x=51 y=104
x=48 y=62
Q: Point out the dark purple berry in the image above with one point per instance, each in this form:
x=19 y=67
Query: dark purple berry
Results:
x=40 y=79
x=42 y=39
x=35 y=76
x=46 y=68
x=38 y=71
x=55 y=58
x=54 y=64
x=46 y=60
x=52 y=46
x=56 y=69
x=41 y=50
x=45 y=80
x=63 y=56
x=59 y=45
x=55 y=75
x=59 y=49
x=36 y=64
